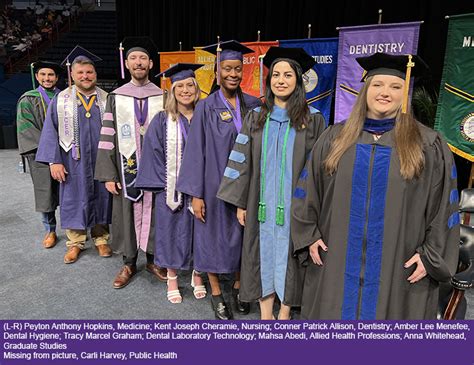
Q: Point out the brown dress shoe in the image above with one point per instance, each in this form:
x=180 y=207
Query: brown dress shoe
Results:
x=159 y=272
x=72 y=255
x=104 y=250
x=124 y=275
x=50 y=240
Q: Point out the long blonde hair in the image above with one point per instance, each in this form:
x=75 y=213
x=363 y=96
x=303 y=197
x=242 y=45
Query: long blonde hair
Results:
x=171 y=105
x=408 y=142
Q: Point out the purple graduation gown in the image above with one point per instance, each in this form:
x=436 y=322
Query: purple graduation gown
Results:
x=174 y=233
x=84 y=202
x=218 y=242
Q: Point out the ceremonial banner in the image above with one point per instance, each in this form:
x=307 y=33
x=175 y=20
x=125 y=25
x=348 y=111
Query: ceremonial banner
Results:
x=205 y=75
x=455 y=113
x=361 y=41
x=319 y=81
x=168 y=59
x=251 y=78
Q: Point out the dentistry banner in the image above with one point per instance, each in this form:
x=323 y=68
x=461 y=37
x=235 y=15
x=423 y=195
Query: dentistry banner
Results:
x=169 y=59
x=206 y=74
x=455 y=113
x=252 y=83
x=319 y=81
x=361 y=41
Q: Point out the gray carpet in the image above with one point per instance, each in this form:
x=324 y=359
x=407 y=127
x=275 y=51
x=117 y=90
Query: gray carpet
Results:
x=36 y=284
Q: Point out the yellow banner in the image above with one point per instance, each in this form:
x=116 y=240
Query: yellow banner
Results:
x=205 y=75
x=168 y=59
x=251 y=78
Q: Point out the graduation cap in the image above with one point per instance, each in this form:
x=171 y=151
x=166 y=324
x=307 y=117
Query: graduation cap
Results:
x=79 y=54
x=229 y=50
x=142 y=44
x=402 y=66
x=180 y=71
x=132 y=44
x=38 y=65
x=387 y=64
x=298 y=55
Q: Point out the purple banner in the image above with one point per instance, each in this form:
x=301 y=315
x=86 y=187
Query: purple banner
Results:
x=361 y=41
x=237 y=342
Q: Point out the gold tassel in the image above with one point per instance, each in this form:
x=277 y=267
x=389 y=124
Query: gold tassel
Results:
x=410 y=64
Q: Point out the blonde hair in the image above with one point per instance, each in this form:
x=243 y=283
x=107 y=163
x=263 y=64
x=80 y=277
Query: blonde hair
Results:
x=171 y=105
x=408 y=142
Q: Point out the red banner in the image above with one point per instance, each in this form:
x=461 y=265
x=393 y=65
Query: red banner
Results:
x=251 y=82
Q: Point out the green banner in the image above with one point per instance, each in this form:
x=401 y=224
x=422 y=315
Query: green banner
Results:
x=455 y=113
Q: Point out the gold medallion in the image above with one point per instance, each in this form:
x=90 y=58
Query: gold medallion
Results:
x=88 y=115
x=142 y=130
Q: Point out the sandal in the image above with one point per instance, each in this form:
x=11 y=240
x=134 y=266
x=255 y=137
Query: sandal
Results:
x=174 y=296
x=199 y=291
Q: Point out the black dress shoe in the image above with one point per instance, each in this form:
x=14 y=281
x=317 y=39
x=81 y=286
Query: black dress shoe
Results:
x=220 y=308
x=242 y=307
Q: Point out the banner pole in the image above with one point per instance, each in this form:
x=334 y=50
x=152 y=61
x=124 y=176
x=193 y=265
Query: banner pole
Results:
x=380 y=16
x=258 y=36
x=180 y=46
x=309 y=31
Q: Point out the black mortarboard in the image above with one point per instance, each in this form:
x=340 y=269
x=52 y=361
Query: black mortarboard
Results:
x=229 y=50
x=394 y=65
x=79 y=53
x=142 y=44
x=402 y=66
x=298 y=55
x=180 y=71
x=38 y=65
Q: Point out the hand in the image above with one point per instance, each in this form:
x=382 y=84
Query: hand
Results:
x=113 y=187
x=58 y=172
x=314 y=251
x=241 y=216
x=420 y=271
x=199 y=209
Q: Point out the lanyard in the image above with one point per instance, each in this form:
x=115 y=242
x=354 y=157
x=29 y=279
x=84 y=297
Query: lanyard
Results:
x=237 y=119
x=87 y=106
x=141 y=112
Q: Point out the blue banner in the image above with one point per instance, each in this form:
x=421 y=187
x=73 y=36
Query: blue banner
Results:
x=319 y=81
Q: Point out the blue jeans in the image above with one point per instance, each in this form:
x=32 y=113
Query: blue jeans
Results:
x=49 y=221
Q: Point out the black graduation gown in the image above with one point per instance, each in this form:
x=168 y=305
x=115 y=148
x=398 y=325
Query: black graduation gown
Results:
x=373 y=221
x=244 y=193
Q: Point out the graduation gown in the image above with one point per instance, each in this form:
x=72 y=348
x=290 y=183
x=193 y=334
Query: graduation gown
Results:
x=218 y=242
x=373 y=221
x=29 y=119
x=108 y=168
x=174 y=234
x=268 y=265
x=84 y=201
